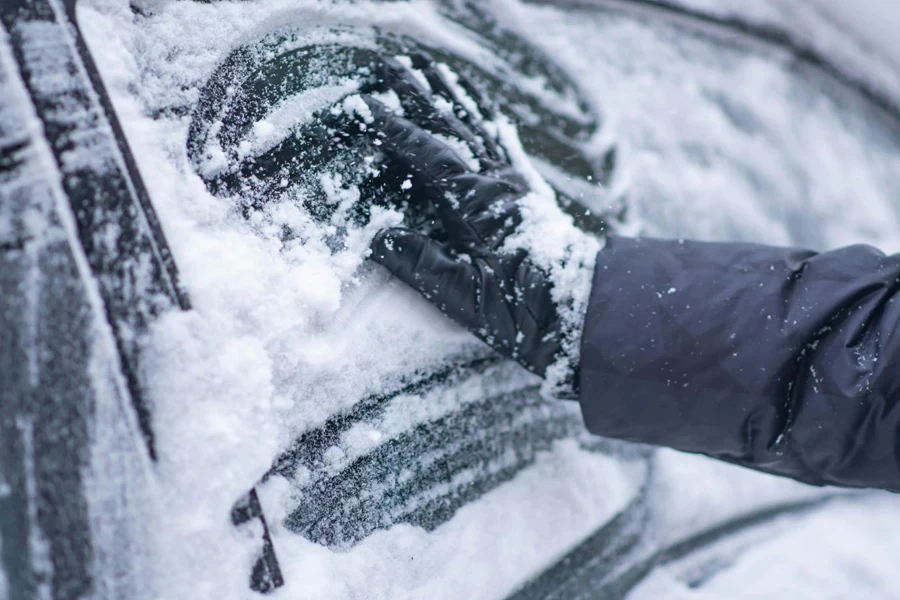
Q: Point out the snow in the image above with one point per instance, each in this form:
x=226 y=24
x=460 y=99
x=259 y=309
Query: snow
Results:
x=285 y=334
x=873 y=22
x=856 y=36
x=473 y=555
x=840 y=552
x=4 y=583
x=271 y=130
x=716 y=115
x=42 y=564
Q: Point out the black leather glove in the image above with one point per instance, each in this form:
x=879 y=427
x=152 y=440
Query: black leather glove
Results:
x=500 y=295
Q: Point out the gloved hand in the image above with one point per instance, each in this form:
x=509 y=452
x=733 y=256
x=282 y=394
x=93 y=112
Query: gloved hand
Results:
x=498 y=294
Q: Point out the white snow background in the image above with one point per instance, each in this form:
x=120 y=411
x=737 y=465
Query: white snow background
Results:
x=279 y=340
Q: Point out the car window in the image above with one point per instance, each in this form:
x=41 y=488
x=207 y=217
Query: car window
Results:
x=360 y=442
x=730 y=117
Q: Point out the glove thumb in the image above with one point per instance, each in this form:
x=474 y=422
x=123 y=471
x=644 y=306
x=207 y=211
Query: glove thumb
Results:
x=428 y=266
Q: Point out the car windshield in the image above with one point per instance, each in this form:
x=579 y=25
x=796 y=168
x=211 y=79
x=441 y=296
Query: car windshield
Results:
x=627 y=120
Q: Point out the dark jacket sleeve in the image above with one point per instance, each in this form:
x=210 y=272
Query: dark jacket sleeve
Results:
x=779 y=359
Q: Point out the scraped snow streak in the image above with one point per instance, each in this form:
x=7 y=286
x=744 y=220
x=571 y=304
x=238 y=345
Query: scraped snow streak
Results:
x=713 y=142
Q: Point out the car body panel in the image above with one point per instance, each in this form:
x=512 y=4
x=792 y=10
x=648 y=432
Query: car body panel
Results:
x=85 y=270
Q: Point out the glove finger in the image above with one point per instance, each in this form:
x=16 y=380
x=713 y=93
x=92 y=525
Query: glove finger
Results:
x=448 y=84
x=478 y=211
x=418 y=99
x=414 y=96
x=408 y=143
x=478 y=294
x=432 y=163
x=489 y=206
x=451 y=284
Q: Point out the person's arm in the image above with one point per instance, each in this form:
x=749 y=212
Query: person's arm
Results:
x=783 y=360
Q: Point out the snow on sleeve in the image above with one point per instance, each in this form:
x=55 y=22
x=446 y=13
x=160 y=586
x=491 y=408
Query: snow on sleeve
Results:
x=554 y=243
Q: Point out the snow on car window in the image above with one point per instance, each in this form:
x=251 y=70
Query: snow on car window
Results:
x=786 y=147
x=291 y=324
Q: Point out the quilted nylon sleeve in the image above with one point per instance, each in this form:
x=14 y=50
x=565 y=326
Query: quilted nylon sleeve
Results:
x=779 y=359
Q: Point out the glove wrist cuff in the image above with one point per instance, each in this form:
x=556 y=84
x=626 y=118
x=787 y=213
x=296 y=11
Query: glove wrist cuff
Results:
x=561 y=378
